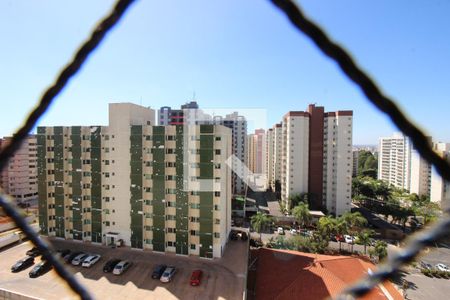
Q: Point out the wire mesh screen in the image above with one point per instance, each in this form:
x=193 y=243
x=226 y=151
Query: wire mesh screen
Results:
x=327 y=47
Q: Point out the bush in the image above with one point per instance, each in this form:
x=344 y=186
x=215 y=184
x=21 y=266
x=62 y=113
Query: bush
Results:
x=426 y=272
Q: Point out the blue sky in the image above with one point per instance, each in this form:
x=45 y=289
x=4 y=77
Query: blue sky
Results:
x=233 y=54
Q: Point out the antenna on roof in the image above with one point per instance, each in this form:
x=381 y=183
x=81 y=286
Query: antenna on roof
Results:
x=193 y=96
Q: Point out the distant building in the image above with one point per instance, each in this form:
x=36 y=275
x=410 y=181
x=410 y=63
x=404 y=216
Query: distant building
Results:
x=274 y=138
x=257 y=151
x=162 y=188
x=316 y=158
x=440 y=189
x=400 y=164
x=19 y=177
x=169 y=116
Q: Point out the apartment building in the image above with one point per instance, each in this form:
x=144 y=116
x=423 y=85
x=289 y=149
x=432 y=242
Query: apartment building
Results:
x=238 y=126
x=355 y=154
x=19 y=177
x=257 y=151
x=162 y=188
x=400 y=164
x=169 y=116
x=440 y=189
x=317 y=158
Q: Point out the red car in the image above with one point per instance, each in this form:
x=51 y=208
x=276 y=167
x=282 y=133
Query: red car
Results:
x=196 y=277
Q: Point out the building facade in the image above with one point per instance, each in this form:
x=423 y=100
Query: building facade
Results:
x=440 y=189
x=400 y=164
x=162 y=188
x=317 y=158
x=19 y=177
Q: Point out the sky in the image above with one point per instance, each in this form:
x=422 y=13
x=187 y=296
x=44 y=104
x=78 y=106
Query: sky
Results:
x=232 y=54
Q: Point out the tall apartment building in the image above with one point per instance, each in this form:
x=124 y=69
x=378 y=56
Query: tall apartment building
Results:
x=169 y=116
x=238 y=126
x=400 y=164
x=162 y=188
x=440 y=189
x=19 y=177
x=257 y=151
x=355 y=153
x=317 y=158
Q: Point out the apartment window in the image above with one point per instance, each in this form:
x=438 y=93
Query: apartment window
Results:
x=148 y=137
x=148 y=176
x=170 y=164
x=148 y=189
x=217 y=235
x=217 y=194
x=170 y=244
x=170 y=204
x=171 y=230
x=148 y=202
x=148 y=215
x=170 y=177
x=170 y=137
x=86 y=197
x=50 y=172
x=216 y=207
x=217 y=166
x=195 y=193
x=86 y=174
x=170 y=217
x=195 y=219
x=148 y=228
x=193 y=247
x=86 y=162
x=194 y=233
x=170 y=151
x=218 y=138
x=106 y=199
x=217 y=151
x=148 y=164
x=106 y=162
x=86 y=221
x=171 y=191
x=106 y=137
x=195 y=205
x=148 y=241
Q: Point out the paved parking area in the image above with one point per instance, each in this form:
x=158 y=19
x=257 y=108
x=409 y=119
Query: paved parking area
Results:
x=223 y=278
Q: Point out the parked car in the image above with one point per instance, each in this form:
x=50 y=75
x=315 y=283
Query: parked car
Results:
x=110 y=264
x=244 y=236
x=22 y=264
x=63 y=252
x=349 y=239
x=90 y=260
x=79 y=259
x=40 y=269
x=339 y=238
x=233 y=235
x=158 y=270
x=426 y=266
x=442 y=267
x=256 y=243
x=196 y=277
x=69 y=257
x=293 y=231
x=34 y=252
x=121 y=267
x=168 y=274
x=280 y=230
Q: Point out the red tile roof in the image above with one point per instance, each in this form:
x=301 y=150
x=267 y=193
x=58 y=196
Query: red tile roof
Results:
x=286 y=274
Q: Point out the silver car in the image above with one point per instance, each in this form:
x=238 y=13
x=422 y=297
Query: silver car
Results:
x=79 y=259
x=121 y=267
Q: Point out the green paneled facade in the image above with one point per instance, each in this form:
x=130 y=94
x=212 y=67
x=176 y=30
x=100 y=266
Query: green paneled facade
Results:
x=96 y=184
x=77 y=203
x=136 y=188
x=182 y=201
x=59 y=181
x=158 y=177
x=42 y=180
x=206 y=198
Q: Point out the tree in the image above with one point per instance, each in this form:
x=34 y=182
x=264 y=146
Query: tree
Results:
x=364 y=238
x=327 y=225
x=260 y=220
x=301 y=214
x=341 y=228
x=354 y=222
x=379 y=250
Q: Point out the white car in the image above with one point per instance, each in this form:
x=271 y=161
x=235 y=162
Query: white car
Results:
x=79 y=259
x=442 y=267
x=293 y=231
x=349 y=239
x=90 y=260
x=169 y=272
x=280 y=230
x=121 y=267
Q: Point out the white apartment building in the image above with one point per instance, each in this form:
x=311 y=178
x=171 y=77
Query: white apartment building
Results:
x=400 y=164
x=274 y=149
x=160 y=188
x=19 y=177
x=316 y=157
x=440 y=189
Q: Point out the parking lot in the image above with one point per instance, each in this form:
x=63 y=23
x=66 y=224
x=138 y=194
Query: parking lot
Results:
x=222 y=278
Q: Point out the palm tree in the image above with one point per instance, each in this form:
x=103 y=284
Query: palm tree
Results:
x=301 y=214
x=327 y=225
x=354 y=221
x=379 y=250
x=260 y=220
x=364 y=238
x=341 y=228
